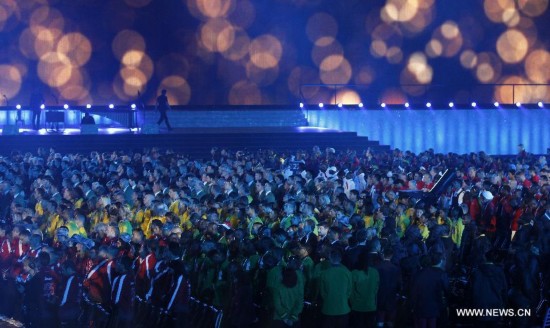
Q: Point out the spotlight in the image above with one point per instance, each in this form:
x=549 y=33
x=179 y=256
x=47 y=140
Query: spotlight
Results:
x=496 y=104
x=518 y=104
x=360 y=105
x=540 y=104
x=474 y=104
x=383 y=105
x=18 y=106
x=66 y=106
x=42 y=106
x=88 y=106
x=301 y=105
x=406 y=105
x=429 y=104
x=340 y=105
x=451 y=104
x=111 y=106
x=133 y=106
x=321 y=105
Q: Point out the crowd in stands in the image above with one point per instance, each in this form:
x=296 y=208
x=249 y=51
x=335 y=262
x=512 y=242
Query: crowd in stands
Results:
x=264 y=239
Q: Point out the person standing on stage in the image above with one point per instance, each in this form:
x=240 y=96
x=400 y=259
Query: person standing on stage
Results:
x=162 y=106
x=35 y=104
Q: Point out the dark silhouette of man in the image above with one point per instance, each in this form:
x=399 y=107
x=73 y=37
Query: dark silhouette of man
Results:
x=35 y=104
x=162 y=106
x=87 y=119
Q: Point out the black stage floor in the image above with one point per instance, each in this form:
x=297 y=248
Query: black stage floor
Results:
x=194 y=141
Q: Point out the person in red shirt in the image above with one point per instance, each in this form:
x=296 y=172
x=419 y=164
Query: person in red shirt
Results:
x=69 y=294
x=144 y=266
x=123 y=294
x=5 y=247
x=179 y=296
x=97 y=283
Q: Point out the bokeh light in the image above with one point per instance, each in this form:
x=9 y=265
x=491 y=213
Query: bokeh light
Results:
x=265 y=51
x=537 y=66
x=321 y=26
x=177 y=88
x=533 y=8
x=347 y=97
x=76 y=47
x=217 y=35
x=228 y=51
x=10 y=80
x=512 y=46
x=246 y=93
x=127 y=40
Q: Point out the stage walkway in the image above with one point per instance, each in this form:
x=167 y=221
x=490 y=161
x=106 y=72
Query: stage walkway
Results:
x=196 y=142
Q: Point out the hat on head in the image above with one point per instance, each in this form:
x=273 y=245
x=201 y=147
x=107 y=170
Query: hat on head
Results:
x=487 y=195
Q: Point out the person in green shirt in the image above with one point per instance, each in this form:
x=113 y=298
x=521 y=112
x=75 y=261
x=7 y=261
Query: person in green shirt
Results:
x=288 y=298
x=335 y=287
x=365 y=282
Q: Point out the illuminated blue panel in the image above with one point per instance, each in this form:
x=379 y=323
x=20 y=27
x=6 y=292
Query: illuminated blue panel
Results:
x=495 y=131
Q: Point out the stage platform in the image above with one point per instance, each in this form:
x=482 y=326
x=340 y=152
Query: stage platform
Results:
x=196 y=142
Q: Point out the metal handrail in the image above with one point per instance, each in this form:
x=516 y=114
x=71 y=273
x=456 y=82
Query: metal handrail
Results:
x=426 y=87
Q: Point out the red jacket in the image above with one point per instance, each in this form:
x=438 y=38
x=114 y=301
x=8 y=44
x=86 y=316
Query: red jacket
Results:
x=159 y=285
x=123 y=293
x=98 y=281
x=179 y=295
x=69 y=293
x=144 y=273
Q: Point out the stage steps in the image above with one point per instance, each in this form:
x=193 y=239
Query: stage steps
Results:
x=197 y=142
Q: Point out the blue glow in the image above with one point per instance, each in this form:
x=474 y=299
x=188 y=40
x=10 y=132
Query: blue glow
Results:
x=461 y=131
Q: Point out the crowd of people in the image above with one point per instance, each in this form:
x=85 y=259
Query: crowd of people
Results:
x=265 y=239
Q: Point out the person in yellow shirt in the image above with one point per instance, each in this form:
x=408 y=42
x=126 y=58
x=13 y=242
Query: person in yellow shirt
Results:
x=54 y=222
x=457 y=226
x=423 y=226
x=403 y=221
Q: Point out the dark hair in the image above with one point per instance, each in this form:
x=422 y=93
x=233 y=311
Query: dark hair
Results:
x=43 y=259
x=290 y=278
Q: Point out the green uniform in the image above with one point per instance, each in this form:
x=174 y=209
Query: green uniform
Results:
x=288 y=302
x=365 y=290
x=335 y=289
